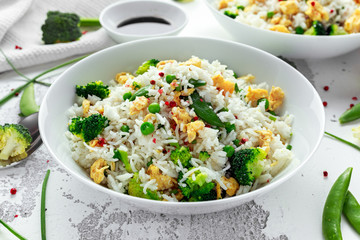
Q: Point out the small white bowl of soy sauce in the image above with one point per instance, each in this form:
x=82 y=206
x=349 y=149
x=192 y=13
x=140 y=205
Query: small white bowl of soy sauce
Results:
x=136 y=19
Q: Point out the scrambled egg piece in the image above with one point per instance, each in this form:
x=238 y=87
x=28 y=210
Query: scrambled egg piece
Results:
x=162 y=64
x=289 y=7
x=177 y=98
x=86 y=107
x=221 y=83
x=93 y=143
x=163 y=181
x=180 y=116
x=192 y=128
x=224 y=3
x=123 y=77
x=265 y=139
x=316 y=11
x=195 y=61
x=188 y=92
x=352 y=24
x=254 y=95
x=276 y=98
x=139 y=104
x=150 y=118
x=231 y=184
x=279 y=28
x=248 y=78
x=218 y=191
x=97 y=170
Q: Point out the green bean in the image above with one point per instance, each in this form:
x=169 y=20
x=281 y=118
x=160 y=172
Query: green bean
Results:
x=351 y=210
x=204 y=111
x=197 y=83
x=141 y=92
x=334 y=205
x=28 y=104
x=12 y=230
x=344 y=141
x=350 y=114
x=42 y=207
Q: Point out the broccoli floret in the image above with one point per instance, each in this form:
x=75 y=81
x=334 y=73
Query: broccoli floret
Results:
x=198 y=189
x=137 y=191
x=204 y=155
x=230 y=14
x=146 y=65
x=334 y=29
x=246 y=165
x=317 y=28
x=93 y=88
x=123 y=156
x=183 y=154
x=88 y=128
x=64 y=27
x=14 y=139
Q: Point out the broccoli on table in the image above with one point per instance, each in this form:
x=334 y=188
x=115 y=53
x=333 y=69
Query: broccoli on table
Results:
x=146 y=65
x=183 y=154
x=123 y=156
x=198 y=189
x=88 y=128
x=246 y=165
x=138 y=191
x=64 y=27
x=93 y=88
x=14 y=139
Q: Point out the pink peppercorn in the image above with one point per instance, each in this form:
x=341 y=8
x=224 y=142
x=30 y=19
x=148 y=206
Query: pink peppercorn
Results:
x=13 y=191
x=325 y=103
x=325 y=173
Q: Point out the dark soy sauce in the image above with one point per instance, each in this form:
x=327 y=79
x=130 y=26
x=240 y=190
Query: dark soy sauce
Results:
x=146 y=25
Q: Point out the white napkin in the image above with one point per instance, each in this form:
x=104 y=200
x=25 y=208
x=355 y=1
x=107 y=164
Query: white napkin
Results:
x=20 y=31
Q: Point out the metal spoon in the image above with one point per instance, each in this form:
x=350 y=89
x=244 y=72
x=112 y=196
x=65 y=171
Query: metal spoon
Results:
x=31 y=123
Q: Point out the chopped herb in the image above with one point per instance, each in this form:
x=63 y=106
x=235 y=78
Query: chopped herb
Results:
x=289 y=147
x=236 y=142
x=272 y=118
x=299 y=30
x=270 y=14
x=241 y=7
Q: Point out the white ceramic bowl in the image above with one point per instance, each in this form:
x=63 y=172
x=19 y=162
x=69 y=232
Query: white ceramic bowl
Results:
x=284 y=44
x=302 y=100
x=122 y=11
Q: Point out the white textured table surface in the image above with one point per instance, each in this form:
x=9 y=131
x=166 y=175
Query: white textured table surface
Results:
x=292 y=211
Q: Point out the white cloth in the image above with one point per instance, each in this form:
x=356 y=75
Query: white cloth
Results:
x=20 y=31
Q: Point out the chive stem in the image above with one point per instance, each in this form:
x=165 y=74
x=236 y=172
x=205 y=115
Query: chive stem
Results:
x=344 y=141
x=12 y=230
x=42 y=213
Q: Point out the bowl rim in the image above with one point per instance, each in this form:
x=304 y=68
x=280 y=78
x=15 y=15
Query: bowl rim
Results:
x=166 y=204
x=165 y=3
x=209 y=4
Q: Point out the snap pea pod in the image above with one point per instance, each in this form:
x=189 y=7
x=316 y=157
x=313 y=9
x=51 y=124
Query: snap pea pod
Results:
x=350 y=114
x=204 y=111
x=28 y=104
x=141 y=92
x=331 y=217
x=197 y=83
x=351 y=210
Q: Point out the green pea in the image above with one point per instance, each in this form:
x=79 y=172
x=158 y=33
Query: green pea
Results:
x=154 y=108
x=230 y=150
x=127 y=96
x=147 y=128
x=125 y=128
x=170 y=78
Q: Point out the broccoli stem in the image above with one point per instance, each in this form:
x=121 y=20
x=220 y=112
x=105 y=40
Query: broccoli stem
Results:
x=89 y=22
x=8 y=149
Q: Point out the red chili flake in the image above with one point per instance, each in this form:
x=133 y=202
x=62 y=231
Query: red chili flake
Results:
x=354 y=98
x=167 y=103
x=18 y=47
x=148 y=99
x=244 y=140
x=101 y=142
x=196 y=118
x=208 y=125
x=172 y=104
x=186 y=143
x=47 y=161
x=201 y=100
x=332 y=10
x=84 y=32
x=325 y=173
x=12 y=89
x=268 y=180
x=16 y=94
x=160 y=91
x=351 y=105
x=164 y=151
x=13 y=191
x=161 y=74
x=173 y=127
x=325 y=103
x=16 y=216
x=326 y=88
x=127 y=85
x=152 y=82
x=313 y=4
x=154 y=140
x=236 y=117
